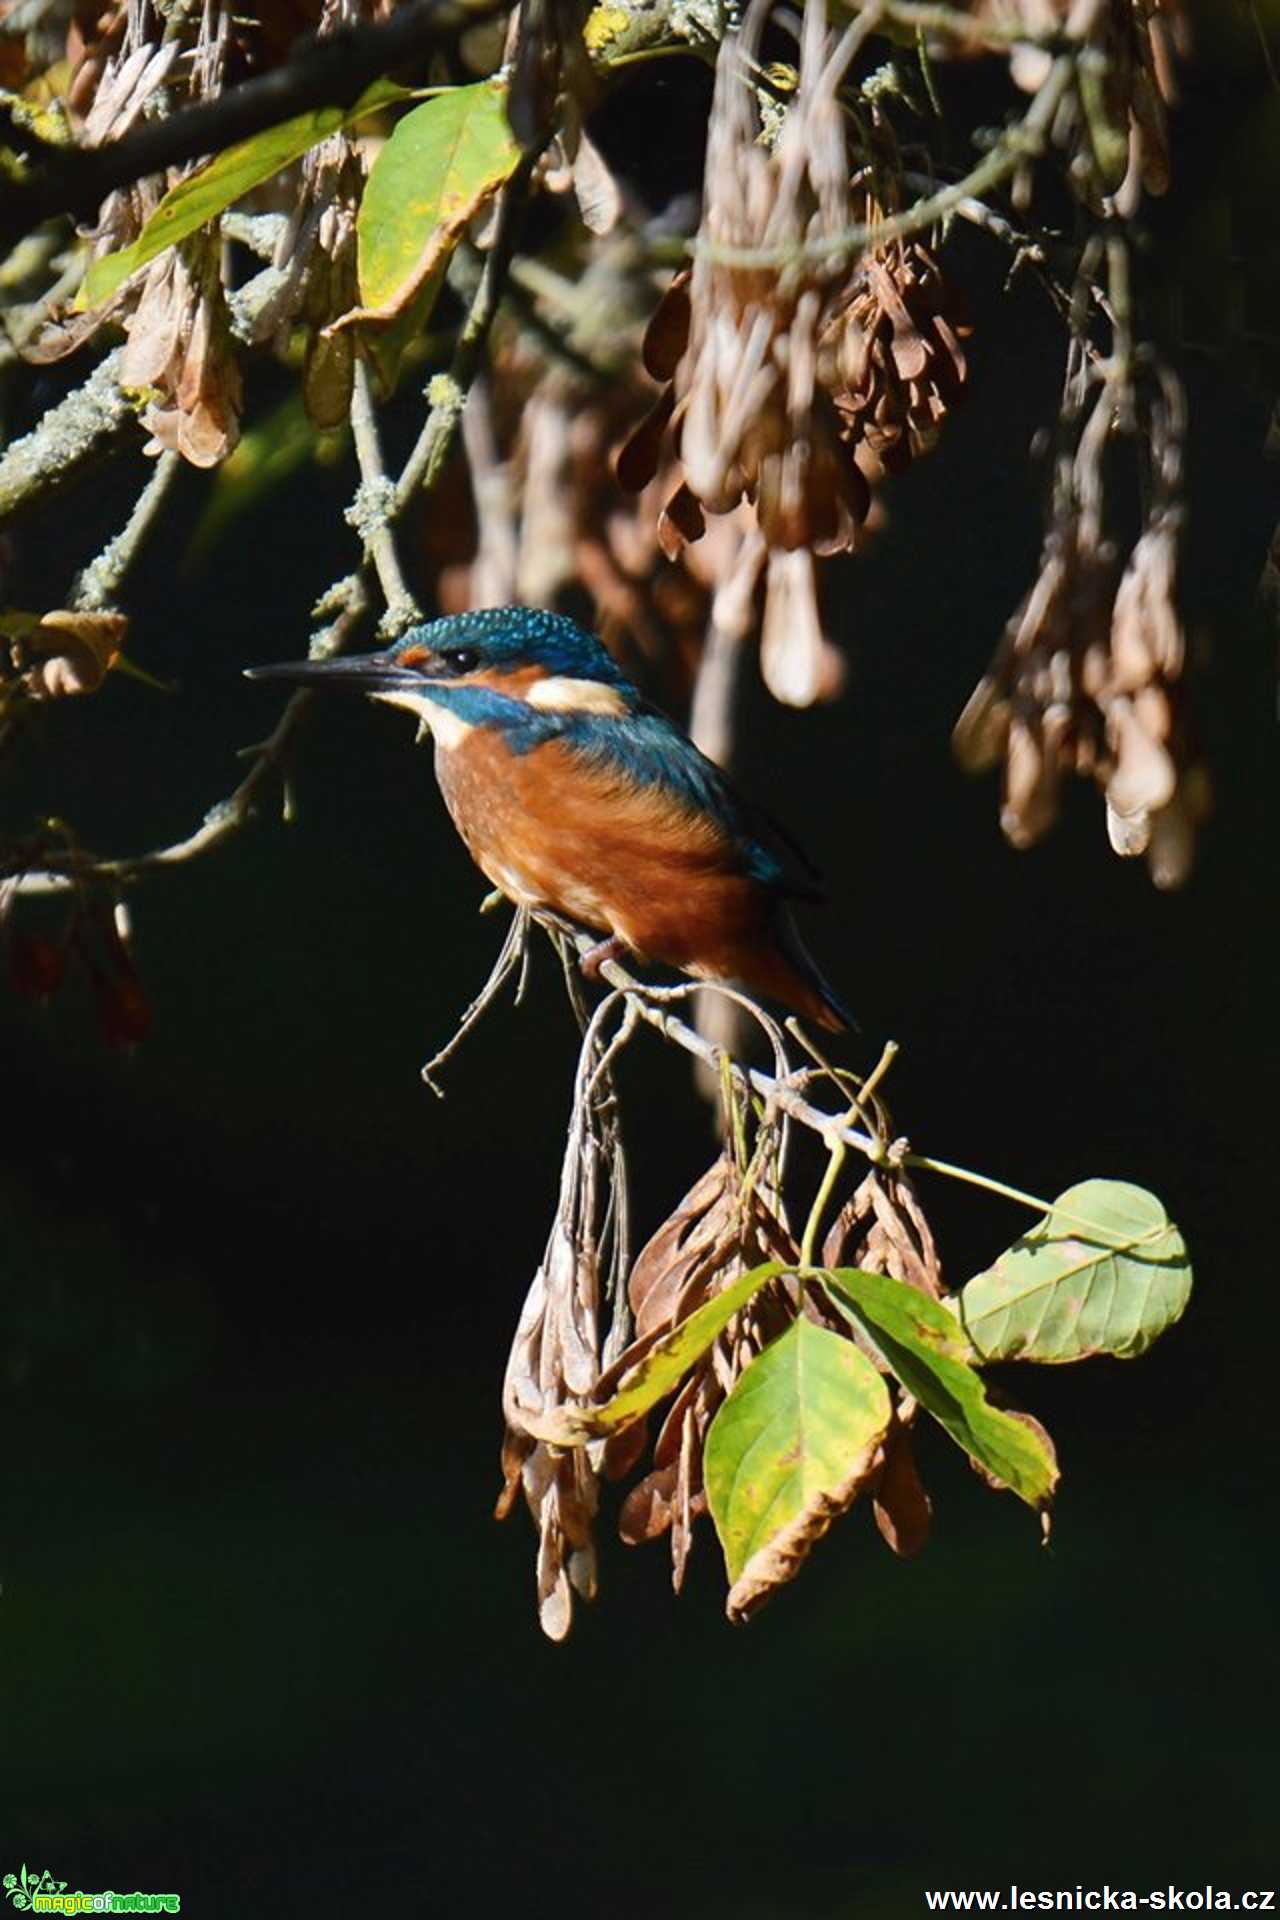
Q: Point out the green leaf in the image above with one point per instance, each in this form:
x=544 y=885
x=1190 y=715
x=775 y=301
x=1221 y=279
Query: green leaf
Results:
x=387 y=345
x=224 y=180
x=442 y=162
x=928 y=1351
x=651 y=1377
x=788 y=1451
x=1105 y=1271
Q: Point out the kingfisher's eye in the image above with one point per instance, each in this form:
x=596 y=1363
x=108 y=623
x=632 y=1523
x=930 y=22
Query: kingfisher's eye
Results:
x=460 y=659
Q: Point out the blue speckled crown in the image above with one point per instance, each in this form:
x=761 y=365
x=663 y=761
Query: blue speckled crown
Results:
x=509 y=636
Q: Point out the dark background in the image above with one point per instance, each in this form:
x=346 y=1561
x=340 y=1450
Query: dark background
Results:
x=261 y=1642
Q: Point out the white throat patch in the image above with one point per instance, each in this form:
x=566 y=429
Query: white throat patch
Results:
x=447 y=728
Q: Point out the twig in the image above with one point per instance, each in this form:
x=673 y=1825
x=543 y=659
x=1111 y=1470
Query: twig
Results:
x=494 y=569
x=784 y=1092
x=778 y=1089
x=1022 y=142
x=100 y=581
x=447 y=392
x=65 y=872
x=372 y=511
x=711 y=728
x=837 y=1151
x=447 y=395
x=512 y=956
x=66 y=439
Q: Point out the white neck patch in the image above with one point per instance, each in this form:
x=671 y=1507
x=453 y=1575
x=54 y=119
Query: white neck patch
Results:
x=560 y=694
x=447 y=728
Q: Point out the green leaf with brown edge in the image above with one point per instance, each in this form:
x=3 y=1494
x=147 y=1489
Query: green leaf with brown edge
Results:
x=659 y=1367
x=1105 y=1271
x=788 y=1452
x=387 y=346
x=928 y=1351
x=441 y=164
x=222 y=181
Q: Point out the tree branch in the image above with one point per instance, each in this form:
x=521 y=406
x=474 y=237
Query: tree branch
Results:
x=323 y=71
x=101 y=579
x=1025 y=140
x=447 y=392
x=71 y=434
x=374 y=508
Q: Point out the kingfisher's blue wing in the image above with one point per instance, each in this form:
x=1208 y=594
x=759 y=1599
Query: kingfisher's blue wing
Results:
x=646 y=747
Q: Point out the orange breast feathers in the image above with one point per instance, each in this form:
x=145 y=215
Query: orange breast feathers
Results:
x=551 y=829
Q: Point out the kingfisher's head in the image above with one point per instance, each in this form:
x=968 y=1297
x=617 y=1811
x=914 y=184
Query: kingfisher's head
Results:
x=469 y=668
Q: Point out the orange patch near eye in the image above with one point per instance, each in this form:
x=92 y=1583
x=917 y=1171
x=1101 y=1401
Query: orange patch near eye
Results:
x=412 y=657
x=512 y=680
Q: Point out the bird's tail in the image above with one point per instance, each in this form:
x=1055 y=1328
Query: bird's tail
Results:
x=807 y=988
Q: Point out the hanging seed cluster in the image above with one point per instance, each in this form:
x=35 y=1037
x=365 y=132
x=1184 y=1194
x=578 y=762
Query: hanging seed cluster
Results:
x=180 y=355
x=534 y=513
x=315 y=260
x=722 y=1228
x=790 y=387
x=1113 y=125
x=732 y=1220
x=891 y=355
x=1088 y=677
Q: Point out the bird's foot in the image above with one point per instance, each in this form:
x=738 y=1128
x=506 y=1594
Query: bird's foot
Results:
x=595 y=957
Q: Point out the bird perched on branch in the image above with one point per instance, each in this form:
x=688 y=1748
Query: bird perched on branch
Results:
x=574 y=795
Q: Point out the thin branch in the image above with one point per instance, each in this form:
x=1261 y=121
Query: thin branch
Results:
x=785 y=1092
x=101 y=580
x=372 y=511
x=1026 y=140
x=447 y=392
x=495 y=567
x=711 y=728
x=347 y=600
x=780 y=1090
x=67 y=872
x=447 y=396
x=64 y=872
x=513 y=955
x=71 y=434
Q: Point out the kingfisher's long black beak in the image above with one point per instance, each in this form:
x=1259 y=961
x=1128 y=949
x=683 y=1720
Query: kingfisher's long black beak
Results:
x=360 y=672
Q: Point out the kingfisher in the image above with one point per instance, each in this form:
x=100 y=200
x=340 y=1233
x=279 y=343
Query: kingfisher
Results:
x=576 y=796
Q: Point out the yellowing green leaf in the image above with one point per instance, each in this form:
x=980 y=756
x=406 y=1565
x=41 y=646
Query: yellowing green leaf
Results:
x=1105 y=1271
x=442 y=162
x=224 y=180
x=788 y=1452
x=928 y=1351
x=659 y=1367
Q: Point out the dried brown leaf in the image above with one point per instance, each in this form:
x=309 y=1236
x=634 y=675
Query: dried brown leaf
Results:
x=902 y=1508
x=667 y=335
x=67 y=652
x=686 y=1241
x=636 y=461
x=681 y=522
x=646 y=1511
x=882 y=1228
